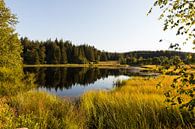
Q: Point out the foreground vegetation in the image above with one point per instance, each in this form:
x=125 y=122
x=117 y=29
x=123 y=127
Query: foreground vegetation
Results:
x=137 y=104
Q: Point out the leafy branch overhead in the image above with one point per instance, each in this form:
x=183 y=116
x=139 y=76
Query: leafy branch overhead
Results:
x=178 y=14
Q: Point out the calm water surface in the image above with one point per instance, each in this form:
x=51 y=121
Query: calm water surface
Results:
x=76 y=81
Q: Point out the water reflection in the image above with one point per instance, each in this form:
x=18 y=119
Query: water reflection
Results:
x=74 y=81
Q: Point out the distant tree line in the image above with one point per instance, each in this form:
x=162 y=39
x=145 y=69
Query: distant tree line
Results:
x=63 y=52
x=156 y=57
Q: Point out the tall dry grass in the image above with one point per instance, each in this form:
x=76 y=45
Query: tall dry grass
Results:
x=40 y=110
x=137 y=105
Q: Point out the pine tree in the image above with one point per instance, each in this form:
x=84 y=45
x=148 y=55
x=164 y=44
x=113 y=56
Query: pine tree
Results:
x=42 y=54
x=63 y=59
x=103 y=57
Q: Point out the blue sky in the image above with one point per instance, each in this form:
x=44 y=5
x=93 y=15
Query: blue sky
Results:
x=110 y=25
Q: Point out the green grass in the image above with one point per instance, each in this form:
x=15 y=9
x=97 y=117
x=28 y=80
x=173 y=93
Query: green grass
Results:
x=136 y=104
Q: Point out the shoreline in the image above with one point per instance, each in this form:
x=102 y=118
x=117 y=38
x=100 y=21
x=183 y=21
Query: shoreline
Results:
x=80 y=65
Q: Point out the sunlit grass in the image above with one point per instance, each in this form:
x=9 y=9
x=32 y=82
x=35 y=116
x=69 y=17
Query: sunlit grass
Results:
x=136 y=105
x=40 y=110
x=147 y=85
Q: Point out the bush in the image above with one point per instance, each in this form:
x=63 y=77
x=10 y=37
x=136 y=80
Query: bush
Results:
x=9 y=88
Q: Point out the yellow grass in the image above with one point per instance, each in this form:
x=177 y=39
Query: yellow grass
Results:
x=137 y=105
x=105 y=64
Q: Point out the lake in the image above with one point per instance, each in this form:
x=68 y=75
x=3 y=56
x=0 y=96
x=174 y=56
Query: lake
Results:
x=69 y=81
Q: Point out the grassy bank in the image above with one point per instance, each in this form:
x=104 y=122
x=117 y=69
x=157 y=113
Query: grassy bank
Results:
x=106 y=64
x=135 y=105
x=38 y=110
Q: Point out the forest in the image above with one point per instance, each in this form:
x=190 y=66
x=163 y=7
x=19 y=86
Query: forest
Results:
x=65 y=52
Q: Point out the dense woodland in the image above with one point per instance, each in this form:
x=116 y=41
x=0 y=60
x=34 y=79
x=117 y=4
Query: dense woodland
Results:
x=60 y=52
x=63 y=52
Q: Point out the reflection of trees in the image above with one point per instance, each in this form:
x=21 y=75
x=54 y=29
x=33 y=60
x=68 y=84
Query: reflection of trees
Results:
x=60 y=78
x=41 y=76
x=53 y=78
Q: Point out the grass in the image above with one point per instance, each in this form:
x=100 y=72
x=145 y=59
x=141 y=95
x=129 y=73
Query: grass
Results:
x=58 y=65
x=155 y=68
x=101 y=64
x=39 y=110
x=135 y=104
x=119 y=83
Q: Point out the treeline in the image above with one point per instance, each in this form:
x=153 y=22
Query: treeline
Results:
x=156 y=57
x=63 y=52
